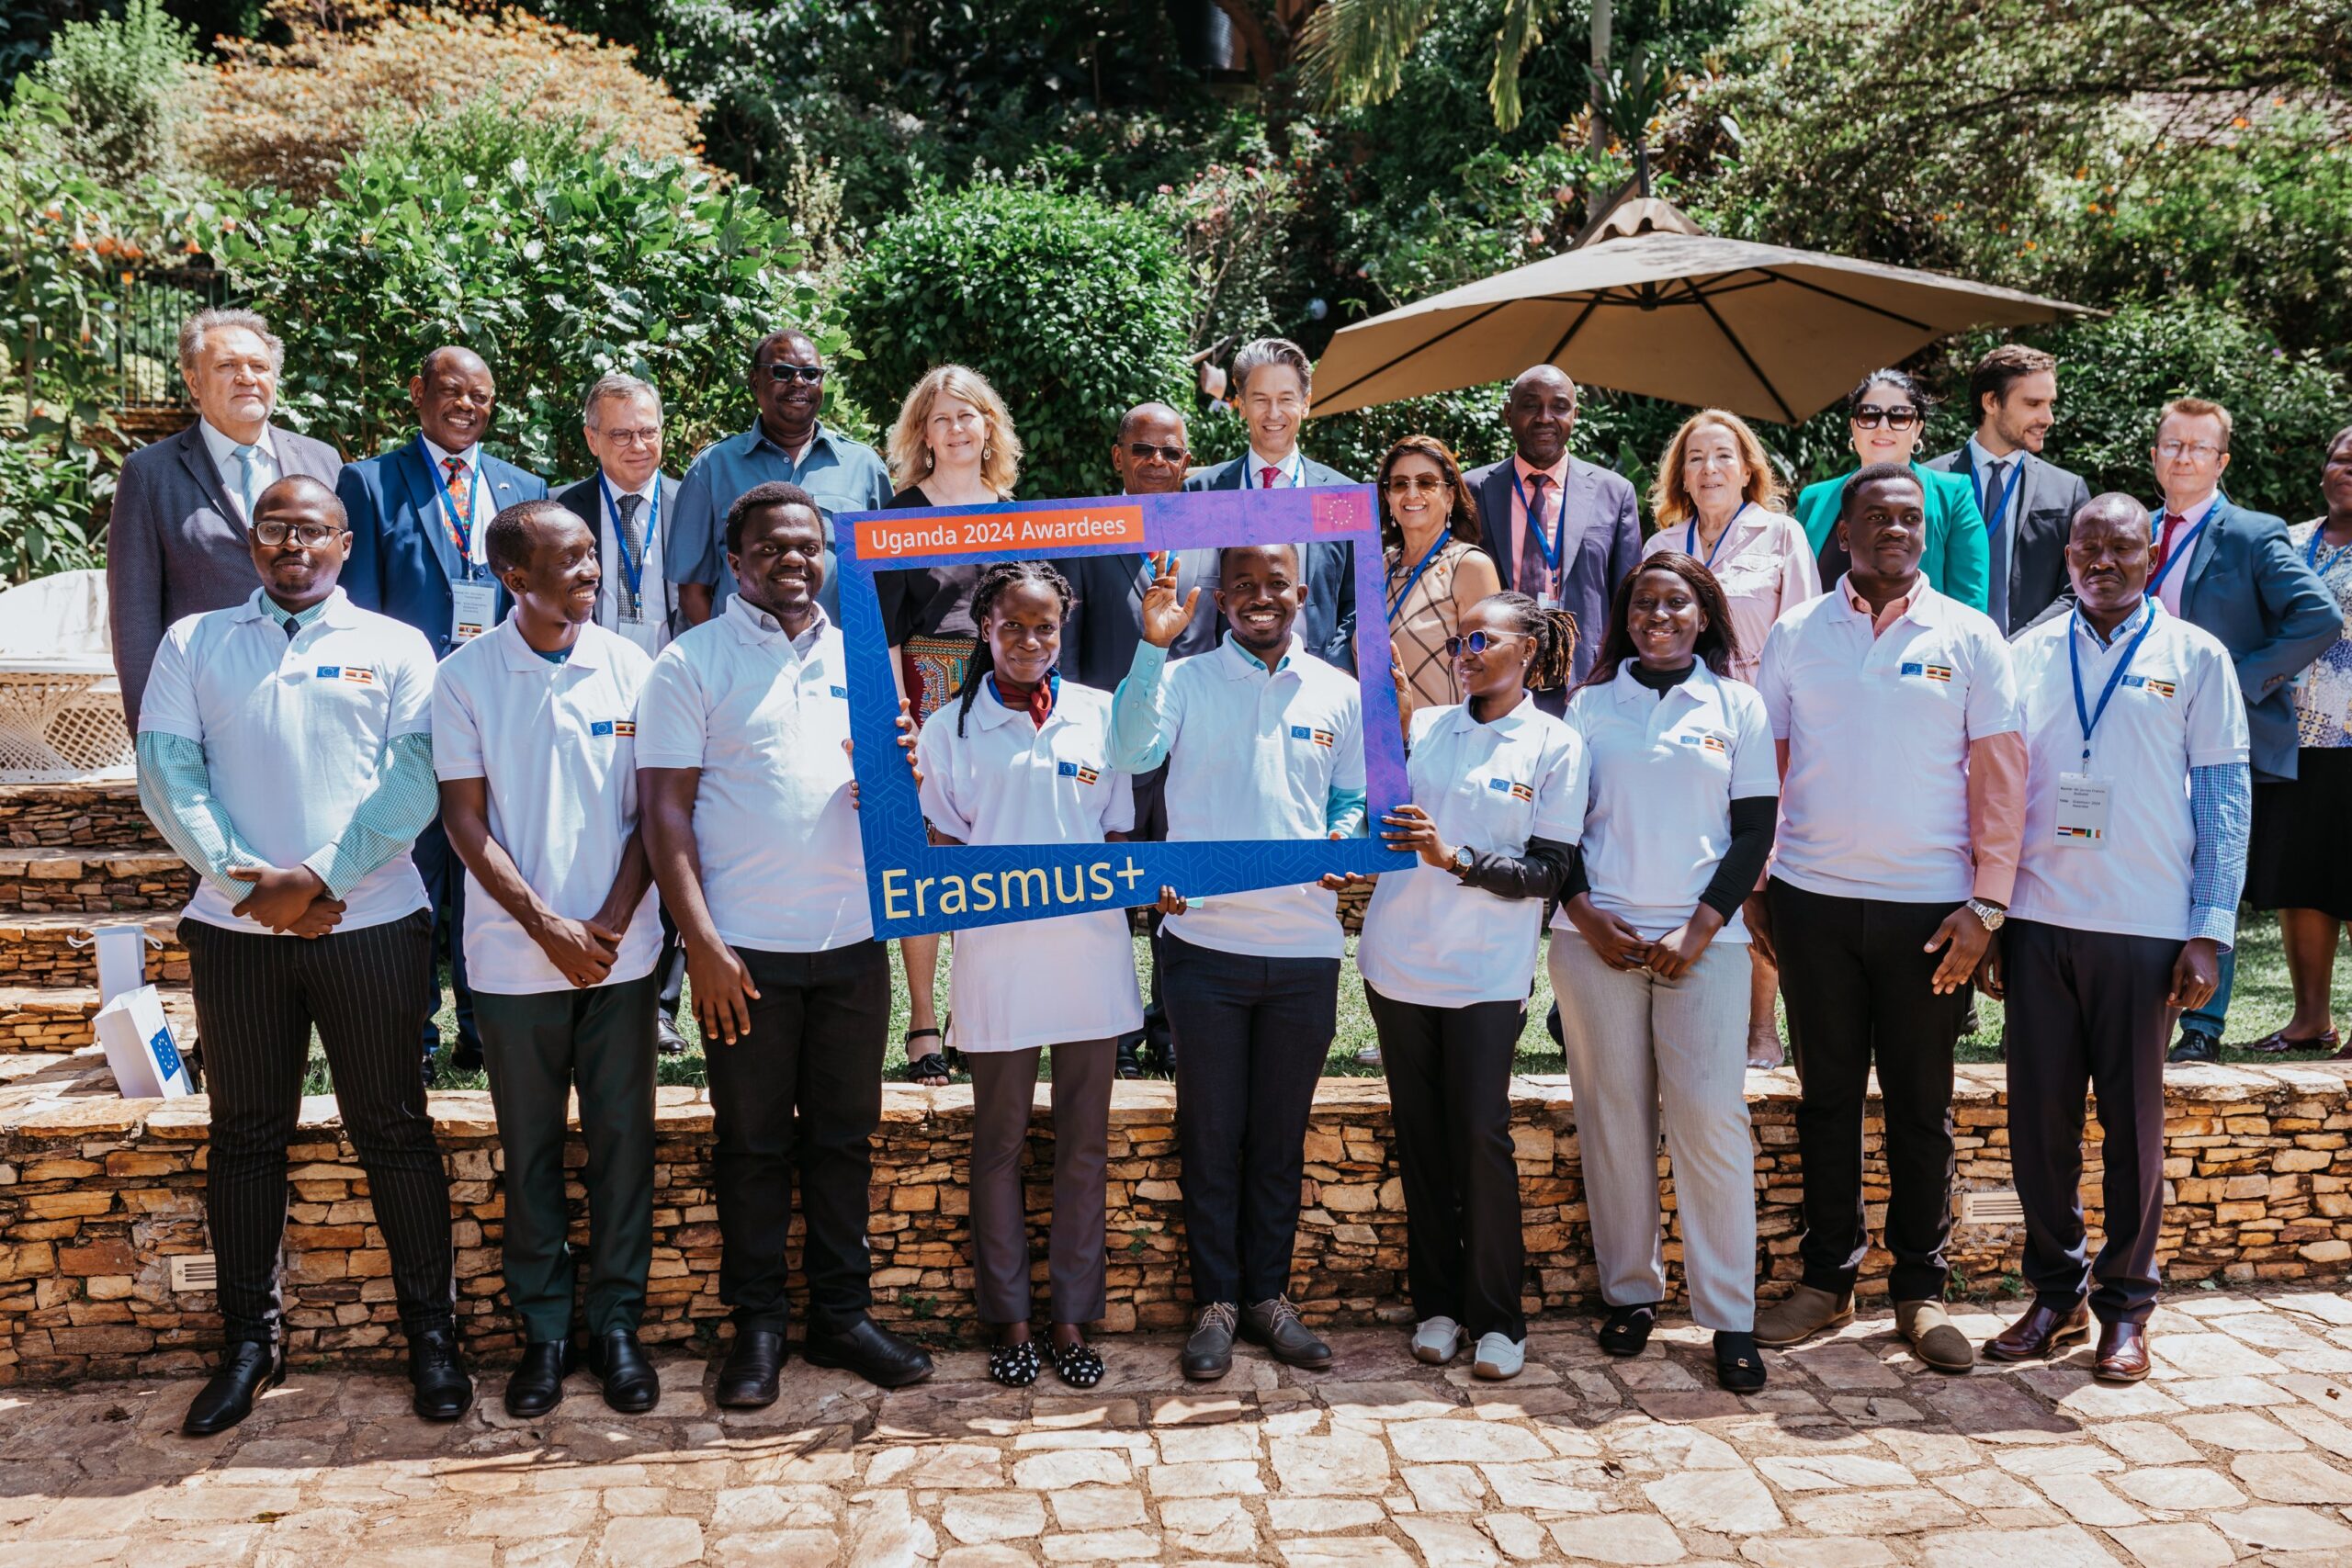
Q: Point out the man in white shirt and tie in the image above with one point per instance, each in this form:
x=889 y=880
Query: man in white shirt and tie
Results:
x=628 y=504
x=177 y=544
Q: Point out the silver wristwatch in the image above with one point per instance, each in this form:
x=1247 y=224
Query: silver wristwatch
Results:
x=1989 y=915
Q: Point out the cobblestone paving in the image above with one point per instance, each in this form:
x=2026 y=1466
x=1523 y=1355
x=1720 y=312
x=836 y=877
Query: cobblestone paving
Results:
x=2239 y=1448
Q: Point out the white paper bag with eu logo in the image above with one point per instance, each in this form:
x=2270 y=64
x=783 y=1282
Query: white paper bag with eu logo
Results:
x=146 y=1060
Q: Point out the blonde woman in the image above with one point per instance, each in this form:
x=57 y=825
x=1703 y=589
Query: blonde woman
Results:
x=954 y=445
x=1430 y=539
x=1718 y=499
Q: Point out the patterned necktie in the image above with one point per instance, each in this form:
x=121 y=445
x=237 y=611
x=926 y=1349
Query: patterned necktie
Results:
x=632 y=536
x=248 y=479
x=1534 y=576
x=461 y=490
x=1998 y=551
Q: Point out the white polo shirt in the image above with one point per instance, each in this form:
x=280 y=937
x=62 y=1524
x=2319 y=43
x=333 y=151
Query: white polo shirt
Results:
x=1664 y=768
x=1254 y=753
x=783 y=870
x=1007 y=781
x=556 y=744
x=1428 y=938
x=2179 y=706
x=1875 y=803
x=294 y=733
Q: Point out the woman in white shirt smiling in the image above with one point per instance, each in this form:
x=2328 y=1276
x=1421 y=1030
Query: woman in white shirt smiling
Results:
x=1447 y=950
x=1021 y=755
x=1646 y=955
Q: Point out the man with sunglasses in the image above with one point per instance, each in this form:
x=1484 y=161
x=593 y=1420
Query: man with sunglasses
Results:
x=1149 y=454
x=2232 y=571
x=286 y=751
x=787 y=445
x=1561 y=530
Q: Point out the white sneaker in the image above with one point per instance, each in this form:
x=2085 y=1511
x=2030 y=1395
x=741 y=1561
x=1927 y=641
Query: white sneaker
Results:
x=1499 y=1356
x=1437 y=1340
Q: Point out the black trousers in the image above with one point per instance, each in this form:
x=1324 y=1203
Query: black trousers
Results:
x=670 y=969
x=1253 y=1034
x=444 y=898
x=2086 y=1011
x=1858 y=982
x=258 y=997
x=802 y=1091
x=1448 y=1093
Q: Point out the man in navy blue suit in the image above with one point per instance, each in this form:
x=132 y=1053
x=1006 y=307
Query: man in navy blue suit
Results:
x=1271 y=380
x=2233 y=573
x=1588 y=530
x=419 y=516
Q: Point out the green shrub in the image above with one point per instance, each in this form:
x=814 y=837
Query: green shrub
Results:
x=49 y=499
x=556 y=258
x=1074 y=309
x=124 y=83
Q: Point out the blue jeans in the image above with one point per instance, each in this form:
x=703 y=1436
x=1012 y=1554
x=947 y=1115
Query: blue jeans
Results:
x=2210 y=1016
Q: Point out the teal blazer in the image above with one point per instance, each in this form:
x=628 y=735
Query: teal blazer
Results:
x=1957 y=561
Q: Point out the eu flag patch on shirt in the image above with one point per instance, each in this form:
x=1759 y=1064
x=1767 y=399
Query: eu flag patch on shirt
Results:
x=1932 y=671
x=839 y=690
x=1511 y=787
x=1078 y=770
x=2149 y=682
x=1319 y=737
x=357 y=674
x=601 y=726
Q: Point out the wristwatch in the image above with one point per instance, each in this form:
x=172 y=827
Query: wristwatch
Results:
x=1463 y=860
x=1989 y=915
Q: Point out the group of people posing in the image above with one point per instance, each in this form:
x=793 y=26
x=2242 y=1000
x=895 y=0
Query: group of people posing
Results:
x=2012 y=757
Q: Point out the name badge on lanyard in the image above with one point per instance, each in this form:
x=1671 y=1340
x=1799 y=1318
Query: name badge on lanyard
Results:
x=473 y=603
x=472 y=606
x=2080 y=816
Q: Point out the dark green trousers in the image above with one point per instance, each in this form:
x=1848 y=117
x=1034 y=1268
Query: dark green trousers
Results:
x=537 y=1048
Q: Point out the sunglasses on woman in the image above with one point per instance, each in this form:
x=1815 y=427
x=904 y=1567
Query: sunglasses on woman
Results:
x=1870 y=416
x=1478 y=642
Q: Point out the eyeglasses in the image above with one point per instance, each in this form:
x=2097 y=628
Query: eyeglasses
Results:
x=649 y=436
x=1478 y=642
x=1870 y=416
x=1410 y=484
x=2195 y=451
x=781 y=370
x=1144 y=451
x=309 y=535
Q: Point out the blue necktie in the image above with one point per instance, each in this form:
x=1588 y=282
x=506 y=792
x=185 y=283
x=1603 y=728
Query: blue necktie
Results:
x=248 y=471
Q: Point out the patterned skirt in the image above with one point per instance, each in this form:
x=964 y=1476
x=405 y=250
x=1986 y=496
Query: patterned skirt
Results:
x=933 y=668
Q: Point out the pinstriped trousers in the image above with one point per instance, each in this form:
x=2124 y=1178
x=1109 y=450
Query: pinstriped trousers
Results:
x=256 y=999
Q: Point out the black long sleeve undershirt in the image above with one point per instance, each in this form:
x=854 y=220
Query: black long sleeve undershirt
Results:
x=1538 y=873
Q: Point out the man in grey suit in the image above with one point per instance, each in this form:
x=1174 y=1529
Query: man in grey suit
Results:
x=1588 y=530
x=2029 y=504
x=1149 y=454
x=2233 y=573
x=177 y=544
x=1272 y=383
x=626 y=504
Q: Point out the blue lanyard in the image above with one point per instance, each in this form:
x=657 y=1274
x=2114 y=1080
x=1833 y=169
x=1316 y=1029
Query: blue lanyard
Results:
x=2311 y=554
x=1690 y=536
x=2008 y=488
x=461 y=530
x=1295 y=471
x=2089 y=717
x=1404 y=592
x=1559 y=543
x=2179 y=552
x=632 y=571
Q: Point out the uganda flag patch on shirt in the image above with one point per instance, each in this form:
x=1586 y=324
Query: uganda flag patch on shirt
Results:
x=1932 y=671
x=2149 y=682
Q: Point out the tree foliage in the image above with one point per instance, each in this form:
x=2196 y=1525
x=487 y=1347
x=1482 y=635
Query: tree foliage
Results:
x=1075 y=309
x=556 y=257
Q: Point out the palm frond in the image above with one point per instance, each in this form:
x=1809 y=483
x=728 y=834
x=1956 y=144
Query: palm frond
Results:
x=1352 y=52
x=1521 y=30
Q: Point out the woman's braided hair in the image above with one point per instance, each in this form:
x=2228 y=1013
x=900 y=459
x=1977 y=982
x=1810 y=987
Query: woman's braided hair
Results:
x=994 y=582
x=1552 y=631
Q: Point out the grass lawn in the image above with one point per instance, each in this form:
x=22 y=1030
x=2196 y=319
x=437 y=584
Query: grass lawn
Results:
x=2260 y=1003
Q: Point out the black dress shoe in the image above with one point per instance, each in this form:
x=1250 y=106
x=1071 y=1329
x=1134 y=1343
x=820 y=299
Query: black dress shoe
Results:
x=1274 y=1324
x=438 y=1374
x=536 y=1386
x=1128 y=1067
x=870 y=1350
x=747 y=1377
x=2196 y=1045
x=631 y=1385
x=466 y=1057
x=666 y=1038
x=1208 y=1353
x=1160 y=1057
x=247 y=1367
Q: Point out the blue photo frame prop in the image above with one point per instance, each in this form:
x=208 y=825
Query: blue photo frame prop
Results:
x=1038 y=881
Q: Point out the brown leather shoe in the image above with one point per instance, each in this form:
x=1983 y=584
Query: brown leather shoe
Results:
x=2041 y=1333
x=2123 y=1353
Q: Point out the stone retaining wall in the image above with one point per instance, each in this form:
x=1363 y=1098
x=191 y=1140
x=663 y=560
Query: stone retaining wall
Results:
x=76 y=816
x=97 y=1193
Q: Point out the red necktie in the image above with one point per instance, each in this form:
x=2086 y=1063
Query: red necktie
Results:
x=2164 y=543
x=1267 y=476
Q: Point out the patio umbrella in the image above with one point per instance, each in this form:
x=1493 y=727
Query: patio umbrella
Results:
x=1648 y=302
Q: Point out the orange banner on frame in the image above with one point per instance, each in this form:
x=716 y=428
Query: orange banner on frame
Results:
x=1046 y=531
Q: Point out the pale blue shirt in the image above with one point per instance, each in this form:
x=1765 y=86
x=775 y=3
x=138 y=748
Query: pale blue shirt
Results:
x=840 y=474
